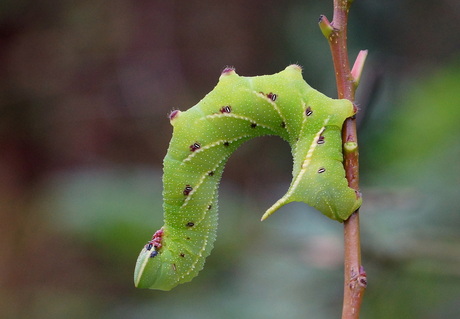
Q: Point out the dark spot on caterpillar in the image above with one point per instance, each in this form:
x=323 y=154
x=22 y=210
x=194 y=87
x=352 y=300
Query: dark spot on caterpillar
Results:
x=187 y=189
x=253 y=125
x=272 y=96
x=188 y=238
x=149 y=246
x=182 y=254
x=153 y=254
x=209 y=207
x=190 y=224
x=211 y=173
x=226 y=144
x=226 y=109
x=173 y=114
x=308 y=111
x=321 y=170
x=320 y=140
x=283 y=125
x=194 y=146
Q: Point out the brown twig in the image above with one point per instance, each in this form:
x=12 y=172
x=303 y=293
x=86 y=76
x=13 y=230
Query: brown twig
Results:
x=355 y=280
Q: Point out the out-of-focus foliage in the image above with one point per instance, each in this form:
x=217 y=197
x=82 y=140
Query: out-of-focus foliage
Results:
x=85 y=88
x=413 y=213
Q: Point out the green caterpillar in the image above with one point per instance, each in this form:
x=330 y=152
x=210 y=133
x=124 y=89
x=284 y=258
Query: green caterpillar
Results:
x=236 y=110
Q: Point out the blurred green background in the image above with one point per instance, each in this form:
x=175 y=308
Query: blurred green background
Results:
x=85 y=89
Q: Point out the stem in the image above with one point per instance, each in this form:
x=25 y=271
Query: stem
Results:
x=347 y=81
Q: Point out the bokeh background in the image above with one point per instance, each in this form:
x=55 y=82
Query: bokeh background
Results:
x=85 y=89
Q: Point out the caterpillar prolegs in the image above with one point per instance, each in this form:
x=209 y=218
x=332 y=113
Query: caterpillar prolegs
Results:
x=236 y=110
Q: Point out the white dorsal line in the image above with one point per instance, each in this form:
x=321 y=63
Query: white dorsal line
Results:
x=308 y=158
x=275 y=107
x=196 y=257
x=305 y=164
x=312 y=148
x=203 y=215
x=192 y=266
x=144 y=263
x=329 y=205
x=271 y=102
x=205 y=212
x=200 y=181
x=195 y=188
x=236 y=116
x=214 y=144
x=304 y=122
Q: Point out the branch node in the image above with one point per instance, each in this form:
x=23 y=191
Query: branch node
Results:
x=350 y=147
x=326 y=27
x=358 y=279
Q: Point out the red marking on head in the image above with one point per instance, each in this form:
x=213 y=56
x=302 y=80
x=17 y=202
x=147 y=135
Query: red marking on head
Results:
x=157 y=239
x=158 y=233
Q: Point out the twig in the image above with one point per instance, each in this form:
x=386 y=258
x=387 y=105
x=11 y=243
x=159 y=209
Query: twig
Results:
x=355 y=281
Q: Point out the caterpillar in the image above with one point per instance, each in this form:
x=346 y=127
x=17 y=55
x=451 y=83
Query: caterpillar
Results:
x=236 y=110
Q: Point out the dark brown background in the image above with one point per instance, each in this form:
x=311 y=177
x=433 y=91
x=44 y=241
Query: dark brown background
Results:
x=85 y=88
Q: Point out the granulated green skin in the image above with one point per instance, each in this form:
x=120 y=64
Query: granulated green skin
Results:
x=236 y=110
